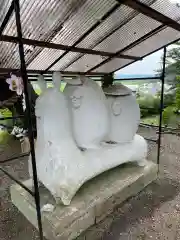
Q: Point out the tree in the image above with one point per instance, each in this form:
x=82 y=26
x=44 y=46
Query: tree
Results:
x=172 y=65
x=178 y=94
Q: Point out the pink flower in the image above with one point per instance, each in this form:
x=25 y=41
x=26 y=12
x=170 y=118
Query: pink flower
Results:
x=15 y=84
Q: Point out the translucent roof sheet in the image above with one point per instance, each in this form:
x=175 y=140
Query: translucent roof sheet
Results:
x=151 y=44
x=101 y=25
x=167 y=8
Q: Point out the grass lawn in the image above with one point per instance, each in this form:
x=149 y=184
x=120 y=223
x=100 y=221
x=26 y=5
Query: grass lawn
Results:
x=133 y=82
x=151 y=120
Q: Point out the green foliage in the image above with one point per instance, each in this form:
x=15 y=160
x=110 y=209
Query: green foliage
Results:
x=172 y=64
x=178 y=93
x=151 y=120
x=149 y=106
x=4 y=137
x=169 y=99
x=6 y=113
x=168 y=114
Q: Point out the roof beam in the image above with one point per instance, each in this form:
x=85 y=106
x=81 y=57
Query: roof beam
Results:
x=43 y=44
x=5 y=71
x=150 y=12
x=7 y=17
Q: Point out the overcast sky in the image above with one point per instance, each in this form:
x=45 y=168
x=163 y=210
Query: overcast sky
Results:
x=147 y=66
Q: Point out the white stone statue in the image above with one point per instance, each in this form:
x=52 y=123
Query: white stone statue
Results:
x=62 y=166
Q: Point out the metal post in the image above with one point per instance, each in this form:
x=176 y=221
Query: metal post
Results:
x=161 y=106
x=28 y=108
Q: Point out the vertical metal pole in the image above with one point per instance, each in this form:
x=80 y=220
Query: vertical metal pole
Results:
x=161 y=106
x=28 y=108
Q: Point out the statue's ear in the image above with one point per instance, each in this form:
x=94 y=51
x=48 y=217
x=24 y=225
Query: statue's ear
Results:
x=57 y=80
x=42 y=83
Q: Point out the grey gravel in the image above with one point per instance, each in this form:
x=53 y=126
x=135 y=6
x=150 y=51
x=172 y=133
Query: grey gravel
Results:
x=152 y=214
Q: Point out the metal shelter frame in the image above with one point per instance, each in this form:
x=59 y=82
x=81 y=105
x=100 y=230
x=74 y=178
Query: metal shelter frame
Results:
x=134 y=4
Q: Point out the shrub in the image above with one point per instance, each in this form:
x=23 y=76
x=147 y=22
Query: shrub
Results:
x=6 y=113
x=178 y=93
x=169 y=99
x=4 y=137
x=149 y=106
x=168 y=115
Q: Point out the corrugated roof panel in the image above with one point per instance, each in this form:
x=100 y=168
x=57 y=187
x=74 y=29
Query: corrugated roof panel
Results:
x=112 y=65
x=9 y=60
x=41 y=19
x=113 y=22
x=121 y=15
x=85 y=63
x=81 y=21
x=4 y=9
x=130 y=32
x=157 y=41
x=64 y=62
x=169 y=8
x=91 y=12
x=44 y=59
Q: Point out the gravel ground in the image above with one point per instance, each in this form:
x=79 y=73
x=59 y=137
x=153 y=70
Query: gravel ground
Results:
x=152 y=214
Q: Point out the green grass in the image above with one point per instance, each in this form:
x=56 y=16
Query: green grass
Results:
x=151 y=120
x=4 y=137
x=132 y=82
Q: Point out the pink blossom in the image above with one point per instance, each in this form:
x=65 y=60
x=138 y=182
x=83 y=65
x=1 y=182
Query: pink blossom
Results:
x=15 y=84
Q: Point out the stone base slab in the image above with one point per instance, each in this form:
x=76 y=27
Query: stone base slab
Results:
x=93 y=202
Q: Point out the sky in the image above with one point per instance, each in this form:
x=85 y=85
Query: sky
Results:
x=148 y=65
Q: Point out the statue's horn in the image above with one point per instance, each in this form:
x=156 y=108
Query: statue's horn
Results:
x=57 y=77
x=42 y=83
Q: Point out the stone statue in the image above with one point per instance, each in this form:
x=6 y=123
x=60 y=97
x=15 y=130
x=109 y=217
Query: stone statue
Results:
x=67 y=155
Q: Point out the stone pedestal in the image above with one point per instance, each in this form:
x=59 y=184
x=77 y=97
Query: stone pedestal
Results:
x=93 y=202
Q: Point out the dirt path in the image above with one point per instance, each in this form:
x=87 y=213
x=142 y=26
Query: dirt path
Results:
x=153 y=214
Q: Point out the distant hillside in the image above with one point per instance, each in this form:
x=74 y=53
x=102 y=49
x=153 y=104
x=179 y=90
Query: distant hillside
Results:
x=129 y=76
